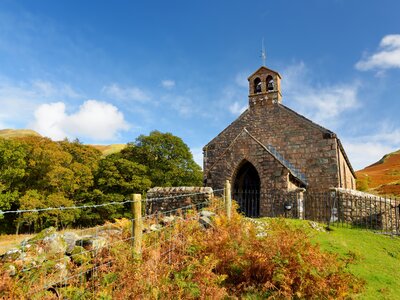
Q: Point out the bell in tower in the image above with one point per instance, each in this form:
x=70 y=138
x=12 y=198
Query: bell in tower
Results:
x=264 y=87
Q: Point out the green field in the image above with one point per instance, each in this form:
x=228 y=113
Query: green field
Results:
x=376 y=257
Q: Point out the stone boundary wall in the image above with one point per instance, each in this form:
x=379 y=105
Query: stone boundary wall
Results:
x=164 y=199
x=367 y=210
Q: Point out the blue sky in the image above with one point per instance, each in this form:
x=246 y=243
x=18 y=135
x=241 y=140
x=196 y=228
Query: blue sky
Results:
x=108 y=71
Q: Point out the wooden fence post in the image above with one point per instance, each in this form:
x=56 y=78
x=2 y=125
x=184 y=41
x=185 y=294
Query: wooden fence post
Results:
x=228 y=199
x=137 y=225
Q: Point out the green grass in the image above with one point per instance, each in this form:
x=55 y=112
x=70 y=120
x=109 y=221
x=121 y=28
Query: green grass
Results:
x=377 y=257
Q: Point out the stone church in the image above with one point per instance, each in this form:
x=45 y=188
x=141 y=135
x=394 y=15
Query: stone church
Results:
x=270 y=148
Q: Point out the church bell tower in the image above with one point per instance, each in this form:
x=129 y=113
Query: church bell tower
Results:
x=264 y=87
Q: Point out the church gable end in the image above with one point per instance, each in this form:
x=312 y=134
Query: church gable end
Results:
x=287 y=149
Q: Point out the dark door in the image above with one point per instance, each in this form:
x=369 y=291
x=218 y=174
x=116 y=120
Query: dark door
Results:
x=246 y=190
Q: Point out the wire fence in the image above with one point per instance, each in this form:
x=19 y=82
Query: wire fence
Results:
x=89 y=250
x=337 y=207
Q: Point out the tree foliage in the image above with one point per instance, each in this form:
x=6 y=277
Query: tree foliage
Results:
x=36 y=172
x=168 y=158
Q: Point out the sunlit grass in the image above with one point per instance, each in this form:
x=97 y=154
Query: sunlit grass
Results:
x=376 y=257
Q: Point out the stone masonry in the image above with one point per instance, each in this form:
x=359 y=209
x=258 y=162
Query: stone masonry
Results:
x=287 y=150
x=166 y=199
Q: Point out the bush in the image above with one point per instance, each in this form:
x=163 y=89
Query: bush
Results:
x=228 y=261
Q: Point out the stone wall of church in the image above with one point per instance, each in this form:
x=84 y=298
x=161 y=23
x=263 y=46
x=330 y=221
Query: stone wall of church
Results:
x=273 y=175
x=302 y=143
x=347 y=179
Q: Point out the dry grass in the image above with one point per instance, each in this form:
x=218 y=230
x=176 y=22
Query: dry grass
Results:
x=13 y=133
x=186 y=261
x=109 y=149
x=9 y=241
x=383 y=177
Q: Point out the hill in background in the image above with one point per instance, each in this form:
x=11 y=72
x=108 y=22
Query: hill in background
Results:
x=15 y=133
x=382 y=177
x=109 y=149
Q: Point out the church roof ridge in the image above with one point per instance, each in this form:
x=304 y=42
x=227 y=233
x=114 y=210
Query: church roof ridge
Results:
x=264 y=67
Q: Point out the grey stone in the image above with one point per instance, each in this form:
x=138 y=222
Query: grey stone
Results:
x=92 y=242
x=206 y=213
x=167 y=220
x=316 y=226
x=12 y=255
x=206 y=222
x=70 y=238
x=12 y=270
x=155 y=227
x=54 y=244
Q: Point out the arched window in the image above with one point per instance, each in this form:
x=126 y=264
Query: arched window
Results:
x=257 y=85
x=270 y=83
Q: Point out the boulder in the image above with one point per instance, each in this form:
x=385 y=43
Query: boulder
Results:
x=206 y=213
x=47 y=241
x=206 y=222
x=155 y=227
x=70 y=239
x=54 y=244
x=167 y=220
x=12 y=255
x=92 y=242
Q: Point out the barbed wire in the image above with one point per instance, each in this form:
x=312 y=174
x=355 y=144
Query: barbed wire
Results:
x=61 y=208
x=112 y=225
x=161 y=234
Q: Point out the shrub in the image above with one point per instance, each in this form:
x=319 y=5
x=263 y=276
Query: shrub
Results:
x=228 y=261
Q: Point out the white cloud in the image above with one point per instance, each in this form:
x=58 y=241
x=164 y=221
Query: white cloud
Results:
x=18 y=100
x=168 y=84
x=128 y=93
x=236 y=108
x=95 y=120
x=365 y=150
x=363 y=154
x=322 y=104
x=388 y=55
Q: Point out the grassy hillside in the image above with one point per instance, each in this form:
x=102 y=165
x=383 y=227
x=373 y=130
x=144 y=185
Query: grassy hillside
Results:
x=12 y=133
x=383 y=177
x=109 y=149
x=15 y=133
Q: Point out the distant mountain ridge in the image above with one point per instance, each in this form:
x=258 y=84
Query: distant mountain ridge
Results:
x=15 y=133
x=382 y=177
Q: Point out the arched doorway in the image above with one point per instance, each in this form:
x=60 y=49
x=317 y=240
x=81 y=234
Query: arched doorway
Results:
x=246 y=189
